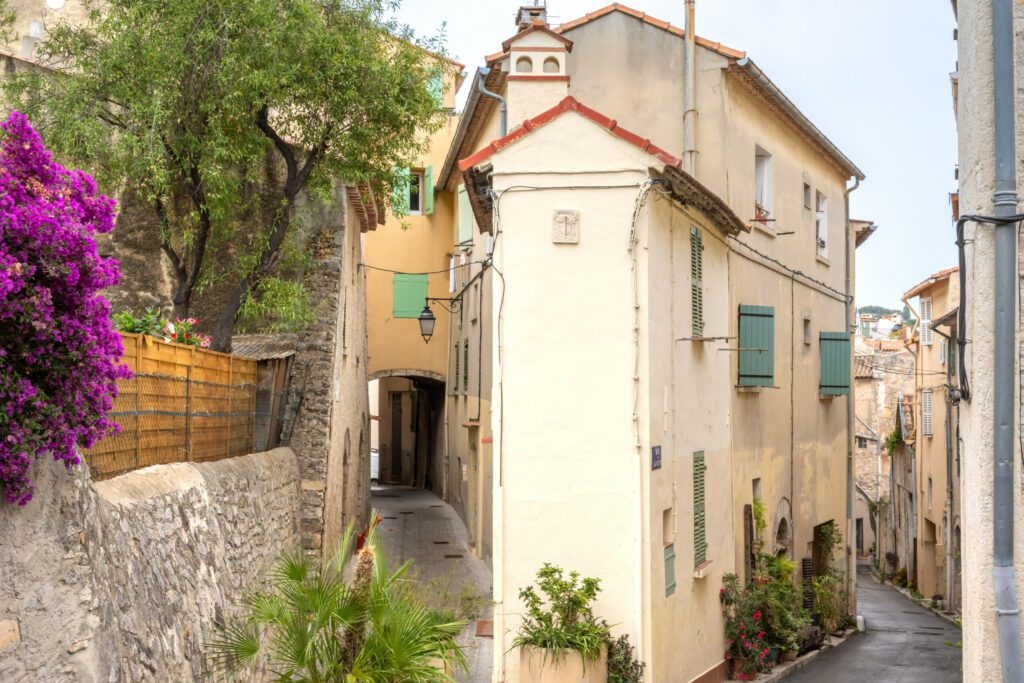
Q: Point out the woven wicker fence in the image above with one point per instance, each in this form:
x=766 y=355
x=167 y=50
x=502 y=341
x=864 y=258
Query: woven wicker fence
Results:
x=183 y=404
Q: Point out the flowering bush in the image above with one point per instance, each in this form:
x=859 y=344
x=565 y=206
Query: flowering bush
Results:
x=182 y=331
x=746 y=639
x=59 y=354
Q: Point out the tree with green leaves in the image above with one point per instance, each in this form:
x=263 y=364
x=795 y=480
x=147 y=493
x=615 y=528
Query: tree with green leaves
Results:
x=219 y=114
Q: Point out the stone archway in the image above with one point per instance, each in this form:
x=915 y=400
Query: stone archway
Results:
x=782 y=527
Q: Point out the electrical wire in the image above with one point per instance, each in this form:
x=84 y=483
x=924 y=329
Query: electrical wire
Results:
x=429 y=272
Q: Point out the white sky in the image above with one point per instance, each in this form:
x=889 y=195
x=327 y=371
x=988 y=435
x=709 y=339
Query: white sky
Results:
x=873 y=75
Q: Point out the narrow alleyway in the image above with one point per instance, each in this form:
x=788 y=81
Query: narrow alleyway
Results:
x=417 y=525
x=904 y=643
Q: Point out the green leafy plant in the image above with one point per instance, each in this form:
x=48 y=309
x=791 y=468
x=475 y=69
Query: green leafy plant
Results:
x=785 y=615
x=894 y=440
x=563 y=619
x=760 y=523
x=149 y=323
x=899 y=577
x=828 y=605
x=623 y=665
x=316 y=626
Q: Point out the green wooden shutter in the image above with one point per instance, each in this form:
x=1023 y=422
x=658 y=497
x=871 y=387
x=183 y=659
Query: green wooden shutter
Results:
x=465 y=217
x=700 y=536
x=428 y=190
x=835 y=363
x=954 y=351
x=670 y=569
x=697 y=279
x=400 y=192
x=757 y=346
x=465 y=366
x=410 y=294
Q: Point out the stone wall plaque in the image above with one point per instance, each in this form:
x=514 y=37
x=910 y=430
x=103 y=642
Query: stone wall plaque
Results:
x=565 y=226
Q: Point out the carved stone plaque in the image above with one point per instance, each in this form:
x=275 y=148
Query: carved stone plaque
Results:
x=565 y=226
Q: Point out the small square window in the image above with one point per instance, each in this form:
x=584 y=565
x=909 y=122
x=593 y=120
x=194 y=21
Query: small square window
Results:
x=807 y=331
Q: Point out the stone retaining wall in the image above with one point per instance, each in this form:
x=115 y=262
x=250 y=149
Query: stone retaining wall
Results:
x=124 y=580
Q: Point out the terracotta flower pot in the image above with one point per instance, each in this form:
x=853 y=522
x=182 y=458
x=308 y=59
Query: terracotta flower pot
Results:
x=537 y=665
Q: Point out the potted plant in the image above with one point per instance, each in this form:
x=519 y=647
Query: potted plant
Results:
x=747 y=646
x=560 y=639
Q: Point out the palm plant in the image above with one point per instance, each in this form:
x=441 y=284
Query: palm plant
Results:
x=319 y=627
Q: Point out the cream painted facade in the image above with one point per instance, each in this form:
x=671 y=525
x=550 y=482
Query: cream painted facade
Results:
x=563 y=364
x=937 y=465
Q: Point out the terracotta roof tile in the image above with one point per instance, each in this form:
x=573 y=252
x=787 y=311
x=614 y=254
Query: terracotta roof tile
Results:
x=653 y=21
x=537 y=26
x=929 y=281
x=567 y=105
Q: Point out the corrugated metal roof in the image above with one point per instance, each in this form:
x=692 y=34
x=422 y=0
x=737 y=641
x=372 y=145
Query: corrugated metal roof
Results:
x=263 y=346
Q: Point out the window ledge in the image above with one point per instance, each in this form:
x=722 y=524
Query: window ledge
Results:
x=764 y=227
x=751 y=390
x=701 y=570
x=823 y=260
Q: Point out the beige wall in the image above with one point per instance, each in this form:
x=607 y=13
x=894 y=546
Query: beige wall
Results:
x=28 y=12
x=689 y=392
x=937 y=511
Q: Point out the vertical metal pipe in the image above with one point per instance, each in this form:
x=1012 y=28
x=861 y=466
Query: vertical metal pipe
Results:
x=1005 y=342
x=851 y=568
x=690 y=93
x=482 y=74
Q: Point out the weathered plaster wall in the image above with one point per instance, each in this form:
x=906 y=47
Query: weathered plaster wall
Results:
x=977 y=179
x=125 y=579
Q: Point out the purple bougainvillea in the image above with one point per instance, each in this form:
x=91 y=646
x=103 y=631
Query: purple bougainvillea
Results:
x=59 y=353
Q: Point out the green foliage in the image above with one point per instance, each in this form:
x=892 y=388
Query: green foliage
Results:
x=218 y=113
x=782 y=602
x=760 y=523
x=829 y=605
x=280 y=306
x=314 y=626
x=899 y=577
x=563 y=619
x=894 y=440
x=448 y=594
x=150 y=322
x=623 y=666
x=746 y=635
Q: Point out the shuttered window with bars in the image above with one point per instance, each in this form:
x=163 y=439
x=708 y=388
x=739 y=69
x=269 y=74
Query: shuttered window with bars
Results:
x=926 y=321
x=927 y=428
x=465 y=367
x=700 y=538
x=697 y=279
x=835 y=363
x=954 y=349
x=756 y=346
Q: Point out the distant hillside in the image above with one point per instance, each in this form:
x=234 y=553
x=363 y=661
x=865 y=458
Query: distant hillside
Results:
x=882 y=310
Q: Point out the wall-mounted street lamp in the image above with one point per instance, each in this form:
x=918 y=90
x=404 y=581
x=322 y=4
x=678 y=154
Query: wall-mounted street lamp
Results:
x=427 y=318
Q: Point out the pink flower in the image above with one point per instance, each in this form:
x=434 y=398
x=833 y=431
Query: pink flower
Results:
x=757 y=615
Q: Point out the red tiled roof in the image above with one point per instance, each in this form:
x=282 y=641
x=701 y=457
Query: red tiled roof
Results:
x=647 y=19
x=929 y=281
x=567 y=105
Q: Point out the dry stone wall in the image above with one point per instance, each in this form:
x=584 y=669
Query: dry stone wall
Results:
x=126 y=579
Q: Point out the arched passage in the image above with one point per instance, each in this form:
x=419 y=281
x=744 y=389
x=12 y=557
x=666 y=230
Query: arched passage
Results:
x=407 y=436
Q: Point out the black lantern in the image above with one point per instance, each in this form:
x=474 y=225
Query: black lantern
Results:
x=427 y=321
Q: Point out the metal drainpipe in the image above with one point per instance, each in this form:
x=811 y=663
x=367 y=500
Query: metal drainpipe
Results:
x=690 y=93
x=851 y=578
x=1005 y=342
x=483 y=72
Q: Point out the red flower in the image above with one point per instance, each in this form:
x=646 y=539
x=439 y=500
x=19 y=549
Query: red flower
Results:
x=761 y=634
x=757 y=615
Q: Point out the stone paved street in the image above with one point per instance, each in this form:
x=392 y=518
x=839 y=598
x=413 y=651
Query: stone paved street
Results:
x=904 y=643
x=417 y=525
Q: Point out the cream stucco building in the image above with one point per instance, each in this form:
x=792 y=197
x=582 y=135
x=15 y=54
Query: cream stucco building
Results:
x=668 y=332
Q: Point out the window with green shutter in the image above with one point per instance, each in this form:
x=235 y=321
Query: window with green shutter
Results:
x=756 y=346
x=435 y=86
x=700 y=536
x=465 y=217
x=697 y=279
x=410 y=294
x=465 y=367
x=670 y=569
x=954 y=350
x=835 y=363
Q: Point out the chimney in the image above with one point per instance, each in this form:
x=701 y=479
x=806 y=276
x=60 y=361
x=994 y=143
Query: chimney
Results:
x=528 y=14
x=536 y=67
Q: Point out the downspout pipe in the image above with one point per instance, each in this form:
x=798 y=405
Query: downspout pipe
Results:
x=1004 y=342
x=503 y=111
x=690 y=93
x=851 y=574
